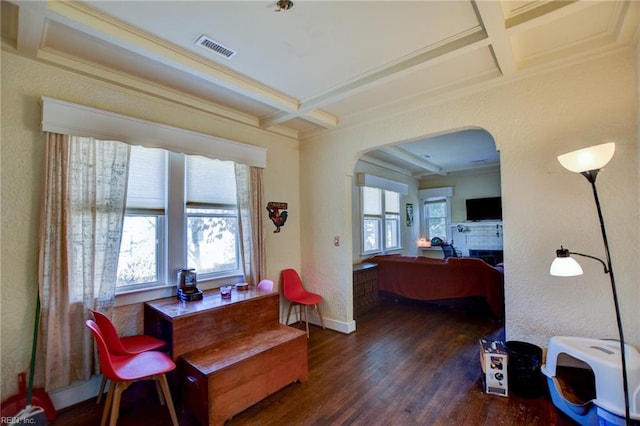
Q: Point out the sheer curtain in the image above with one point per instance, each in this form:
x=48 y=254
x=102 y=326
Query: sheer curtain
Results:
x=250 y=199
x=80 y=231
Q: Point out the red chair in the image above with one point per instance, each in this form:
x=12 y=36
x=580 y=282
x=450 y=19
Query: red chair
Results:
x=295 y=293
x=128 y=345
x=266 y=285
x=123 y=370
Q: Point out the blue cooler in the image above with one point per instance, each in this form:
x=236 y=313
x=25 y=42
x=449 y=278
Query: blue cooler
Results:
x=584 y=377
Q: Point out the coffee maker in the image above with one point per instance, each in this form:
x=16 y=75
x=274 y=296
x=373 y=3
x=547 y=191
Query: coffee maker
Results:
x=187 y=285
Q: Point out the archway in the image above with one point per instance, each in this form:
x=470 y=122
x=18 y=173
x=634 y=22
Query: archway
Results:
x=466 y=161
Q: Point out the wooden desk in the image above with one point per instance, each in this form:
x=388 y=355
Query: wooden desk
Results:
x=231 y=352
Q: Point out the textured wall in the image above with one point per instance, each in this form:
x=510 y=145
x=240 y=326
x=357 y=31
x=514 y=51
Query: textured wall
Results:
x=532 y=121
x=483 y=184
x=23 y=83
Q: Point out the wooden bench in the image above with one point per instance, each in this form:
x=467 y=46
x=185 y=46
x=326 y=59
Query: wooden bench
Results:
x=223 y=380
x=230 y=353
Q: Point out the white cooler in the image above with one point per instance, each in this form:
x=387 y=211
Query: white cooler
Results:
x=585 y=379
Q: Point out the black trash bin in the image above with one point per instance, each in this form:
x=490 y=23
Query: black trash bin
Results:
x=523 y=369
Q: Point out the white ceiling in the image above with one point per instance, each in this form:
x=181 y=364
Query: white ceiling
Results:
x=322 y=64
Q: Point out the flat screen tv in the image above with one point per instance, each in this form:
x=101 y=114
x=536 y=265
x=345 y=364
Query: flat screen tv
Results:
x=484 y=209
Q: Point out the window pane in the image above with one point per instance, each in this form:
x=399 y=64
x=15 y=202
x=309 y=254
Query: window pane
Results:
x=437 y=209
x=211 y=242
x=146 y=185
x=371 y=201
x=138 y=261
x=438 y=228
x=391 y=202
x=392 y=226
x=371 y=235
x=210 y=181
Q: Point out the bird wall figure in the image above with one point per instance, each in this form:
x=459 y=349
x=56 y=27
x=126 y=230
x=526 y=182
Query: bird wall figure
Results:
x=277 y=217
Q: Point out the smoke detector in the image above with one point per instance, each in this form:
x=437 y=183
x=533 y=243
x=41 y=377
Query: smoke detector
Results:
x=283 y=5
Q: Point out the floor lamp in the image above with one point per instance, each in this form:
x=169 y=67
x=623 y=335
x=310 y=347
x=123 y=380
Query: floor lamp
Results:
x=588 y=162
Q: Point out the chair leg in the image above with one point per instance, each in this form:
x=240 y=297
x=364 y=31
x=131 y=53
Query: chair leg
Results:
x=107 y=404
x=115 y=406
x=306 y=320
x=102 y=385
x=320 y=315
x=159 y=390
x=289 y=313
x=167 y=396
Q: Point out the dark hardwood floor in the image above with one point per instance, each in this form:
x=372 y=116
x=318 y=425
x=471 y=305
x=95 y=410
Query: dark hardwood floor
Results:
x=407 y=364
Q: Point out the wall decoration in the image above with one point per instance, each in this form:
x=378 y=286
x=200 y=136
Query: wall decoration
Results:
x=277 y=214
x=409 y=212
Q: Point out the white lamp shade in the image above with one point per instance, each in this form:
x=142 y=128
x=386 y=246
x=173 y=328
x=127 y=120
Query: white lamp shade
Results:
x=424 y=242
x=592 y=158
x=565 y=267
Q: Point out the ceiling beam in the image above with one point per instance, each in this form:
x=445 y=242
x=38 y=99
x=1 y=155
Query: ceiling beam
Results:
x=144 y=44
x=30 y=27
x=534 y=11
x=457 y=45
x=316 y=116
x=153 y=48
x=385 y=165
x=491 y=17
x=413 y=159
x=453 y=47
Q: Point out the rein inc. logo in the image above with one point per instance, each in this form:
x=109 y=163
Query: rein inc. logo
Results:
x=15 y=420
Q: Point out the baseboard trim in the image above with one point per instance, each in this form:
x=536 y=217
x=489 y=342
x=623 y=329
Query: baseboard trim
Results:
x=75 y=393
x=346 y=327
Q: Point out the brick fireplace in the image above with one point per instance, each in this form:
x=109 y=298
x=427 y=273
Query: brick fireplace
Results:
x=479 y=239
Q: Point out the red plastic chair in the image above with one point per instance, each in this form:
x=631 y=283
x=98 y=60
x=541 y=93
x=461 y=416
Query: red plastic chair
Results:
x=266 y=285
x=295 y=293
x=123 y=370
x=128 y=345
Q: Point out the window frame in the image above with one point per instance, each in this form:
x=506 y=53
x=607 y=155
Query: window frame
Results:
x=382 y=219
x=69 y=118
x=160 y=250
x=215 y=274
x=447 y=217
x=172 y=235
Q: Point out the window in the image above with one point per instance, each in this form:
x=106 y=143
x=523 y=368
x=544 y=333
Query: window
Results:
x=141 y=258
x=380 y=218
x=392 y=220
x=435 y=214
x=201 y=233
x=212 y=219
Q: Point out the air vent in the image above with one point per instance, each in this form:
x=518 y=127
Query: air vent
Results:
x=212 y=45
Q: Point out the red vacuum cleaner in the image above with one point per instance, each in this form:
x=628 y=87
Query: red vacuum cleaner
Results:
x=29 y=406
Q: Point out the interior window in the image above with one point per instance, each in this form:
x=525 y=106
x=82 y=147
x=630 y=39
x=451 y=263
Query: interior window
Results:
x=392 y=220
x=435 y=218
x=380 y=220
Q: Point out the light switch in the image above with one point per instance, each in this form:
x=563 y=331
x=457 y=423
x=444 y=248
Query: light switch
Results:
x=336 y=241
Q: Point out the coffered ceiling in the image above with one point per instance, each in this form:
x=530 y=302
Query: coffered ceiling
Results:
x=321 y=64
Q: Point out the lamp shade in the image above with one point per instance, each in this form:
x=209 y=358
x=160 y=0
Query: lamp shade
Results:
x=565 y=267
x=424 y=242
x=591 y=158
